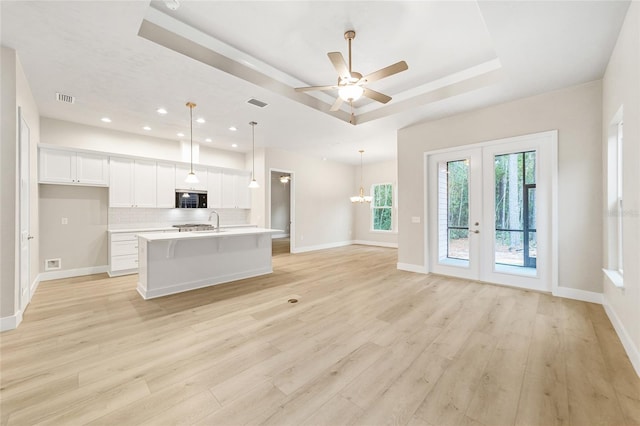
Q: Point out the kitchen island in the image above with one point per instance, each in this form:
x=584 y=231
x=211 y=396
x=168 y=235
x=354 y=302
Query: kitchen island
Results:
x=175 y=262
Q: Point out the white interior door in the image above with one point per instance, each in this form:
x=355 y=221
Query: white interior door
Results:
x=490 y=209
x=25 y=237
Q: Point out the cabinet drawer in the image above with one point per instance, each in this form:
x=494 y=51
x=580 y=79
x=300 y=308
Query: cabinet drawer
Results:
x=119 y=248
x=119 y=263
x=129 y=236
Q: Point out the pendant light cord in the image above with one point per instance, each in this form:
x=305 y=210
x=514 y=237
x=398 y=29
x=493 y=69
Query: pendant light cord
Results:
x=253 y=150
x=191 y=133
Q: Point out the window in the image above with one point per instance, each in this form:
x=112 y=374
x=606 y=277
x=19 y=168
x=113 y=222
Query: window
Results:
x=382 y=207
x=619 y=212
x=515 y=209
x=615 y=190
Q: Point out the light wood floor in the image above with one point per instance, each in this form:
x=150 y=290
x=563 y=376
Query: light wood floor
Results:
x=366 y=344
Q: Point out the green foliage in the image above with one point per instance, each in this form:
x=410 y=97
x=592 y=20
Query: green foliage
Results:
x=382 y=206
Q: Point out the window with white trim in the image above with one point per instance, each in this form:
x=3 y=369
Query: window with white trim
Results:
x=615 y=205
x=619 y=205
x=382 y=207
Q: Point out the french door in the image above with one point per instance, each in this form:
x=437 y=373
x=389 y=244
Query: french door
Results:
x=490 y=209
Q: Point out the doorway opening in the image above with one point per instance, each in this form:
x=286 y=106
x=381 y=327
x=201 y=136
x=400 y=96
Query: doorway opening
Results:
x=281 y=210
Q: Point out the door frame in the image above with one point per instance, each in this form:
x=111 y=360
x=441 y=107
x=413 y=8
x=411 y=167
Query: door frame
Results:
x=549 y=139
x=24 y=252
x=292 y=204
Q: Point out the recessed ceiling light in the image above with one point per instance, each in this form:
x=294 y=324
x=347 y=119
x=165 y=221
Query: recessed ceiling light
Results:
x=234 y=145
x=180 y=134
x=200 y=120
x=207 y=140
x=232 y=128
x=147 y=128
x=105 y=120
x=161 y=111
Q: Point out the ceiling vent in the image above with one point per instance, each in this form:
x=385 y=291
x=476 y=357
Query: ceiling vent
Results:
x=61 y=97
x=257 y=103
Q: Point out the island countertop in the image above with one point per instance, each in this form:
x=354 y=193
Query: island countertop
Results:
x=224 y=232
x=174 y=262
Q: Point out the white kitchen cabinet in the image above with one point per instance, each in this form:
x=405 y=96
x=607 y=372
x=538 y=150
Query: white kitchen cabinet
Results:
x=214 y=188
x=181 y=174
x=123 y=252
x=235 y=190
x=73 y=168
x=132 y=183
x=165 y=185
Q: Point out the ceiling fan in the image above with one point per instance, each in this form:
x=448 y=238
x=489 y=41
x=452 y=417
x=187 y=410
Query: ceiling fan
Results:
x=352 y=85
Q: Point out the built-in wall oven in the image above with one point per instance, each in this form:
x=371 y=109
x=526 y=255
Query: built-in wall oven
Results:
x=189 y=199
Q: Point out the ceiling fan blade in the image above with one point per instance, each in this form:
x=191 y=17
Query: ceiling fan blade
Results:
x=385 y=72
x=337 y=104
x=340 y=65
x=376 y=96
x=308 y=89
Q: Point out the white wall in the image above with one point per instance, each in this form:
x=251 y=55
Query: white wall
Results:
x=73 y=135
x=15 y=93
x=375 y=173
x=323 y=216
x=576 y=113
x=621 y=87
x=82 y=242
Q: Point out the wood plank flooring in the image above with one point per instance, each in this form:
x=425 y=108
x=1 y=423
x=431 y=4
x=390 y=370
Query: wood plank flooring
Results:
x=366 y=344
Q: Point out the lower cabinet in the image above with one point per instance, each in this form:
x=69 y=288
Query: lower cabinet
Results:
x=123 y=253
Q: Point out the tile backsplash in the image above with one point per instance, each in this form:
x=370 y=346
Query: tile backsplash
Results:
x=124 y=218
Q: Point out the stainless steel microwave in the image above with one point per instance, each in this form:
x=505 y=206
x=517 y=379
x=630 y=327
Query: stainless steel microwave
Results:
x=189 y=199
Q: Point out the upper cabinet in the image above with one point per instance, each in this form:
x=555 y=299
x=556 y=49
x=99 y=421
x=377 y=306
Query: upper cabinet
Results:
x=73 y=168
x=235 y=189
x=181 y=174
x=165 y=185
x=133 y=183
x=214 y=188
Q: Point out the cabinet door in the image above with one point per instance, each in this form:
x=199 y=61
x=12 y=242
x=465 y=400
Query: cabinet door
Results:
x=144 y=183
x=228 y=190
x=243 y=192
x=92 y=169
x=57 y=166
x=121 y=182
x=214 y=188
x=166 y=185
x=181 y=174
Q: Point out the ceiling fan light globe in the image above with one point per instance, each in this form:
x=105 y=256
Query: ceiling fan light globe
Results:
x=351 y=92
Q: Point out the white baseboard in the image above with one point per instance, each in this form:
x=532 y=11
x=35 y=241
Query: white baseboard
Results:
x=375 y=243
x=321 y=247
x=10 y=323
x=632 y=351
x=68 y=273
x=276 y=236
x=412 y=268
x=582 y=295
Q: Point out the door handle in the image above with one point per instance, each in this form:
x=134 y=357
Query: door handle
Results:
x=476 y=232
x=29 y=237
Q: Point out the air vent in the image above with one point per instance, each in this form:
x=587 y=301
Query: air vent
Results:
x=61 y=97
x=257 y=103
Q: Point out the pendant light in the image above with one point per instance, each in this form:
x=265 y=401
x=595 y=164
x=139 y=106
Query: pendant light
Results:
x=254 y=183
x=361 y=198
x=191 y=177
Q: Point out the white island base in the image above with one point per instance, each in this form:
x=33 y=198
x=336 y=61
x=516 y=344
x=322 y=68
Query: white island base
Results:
x=177 y=262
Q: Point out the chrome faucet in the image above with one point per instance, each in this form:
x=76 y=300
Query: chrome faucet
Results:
x=217 y=219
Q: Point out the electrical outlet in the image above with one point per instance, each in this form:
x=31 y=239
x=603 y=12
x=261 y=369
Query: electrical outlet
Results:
x=301 y=237
x=65 y=221
x=51 y=264
x=415 y=219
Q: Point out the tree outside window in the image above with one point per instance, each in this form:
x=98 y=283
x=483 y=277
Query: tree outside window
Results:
x=382 y=207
